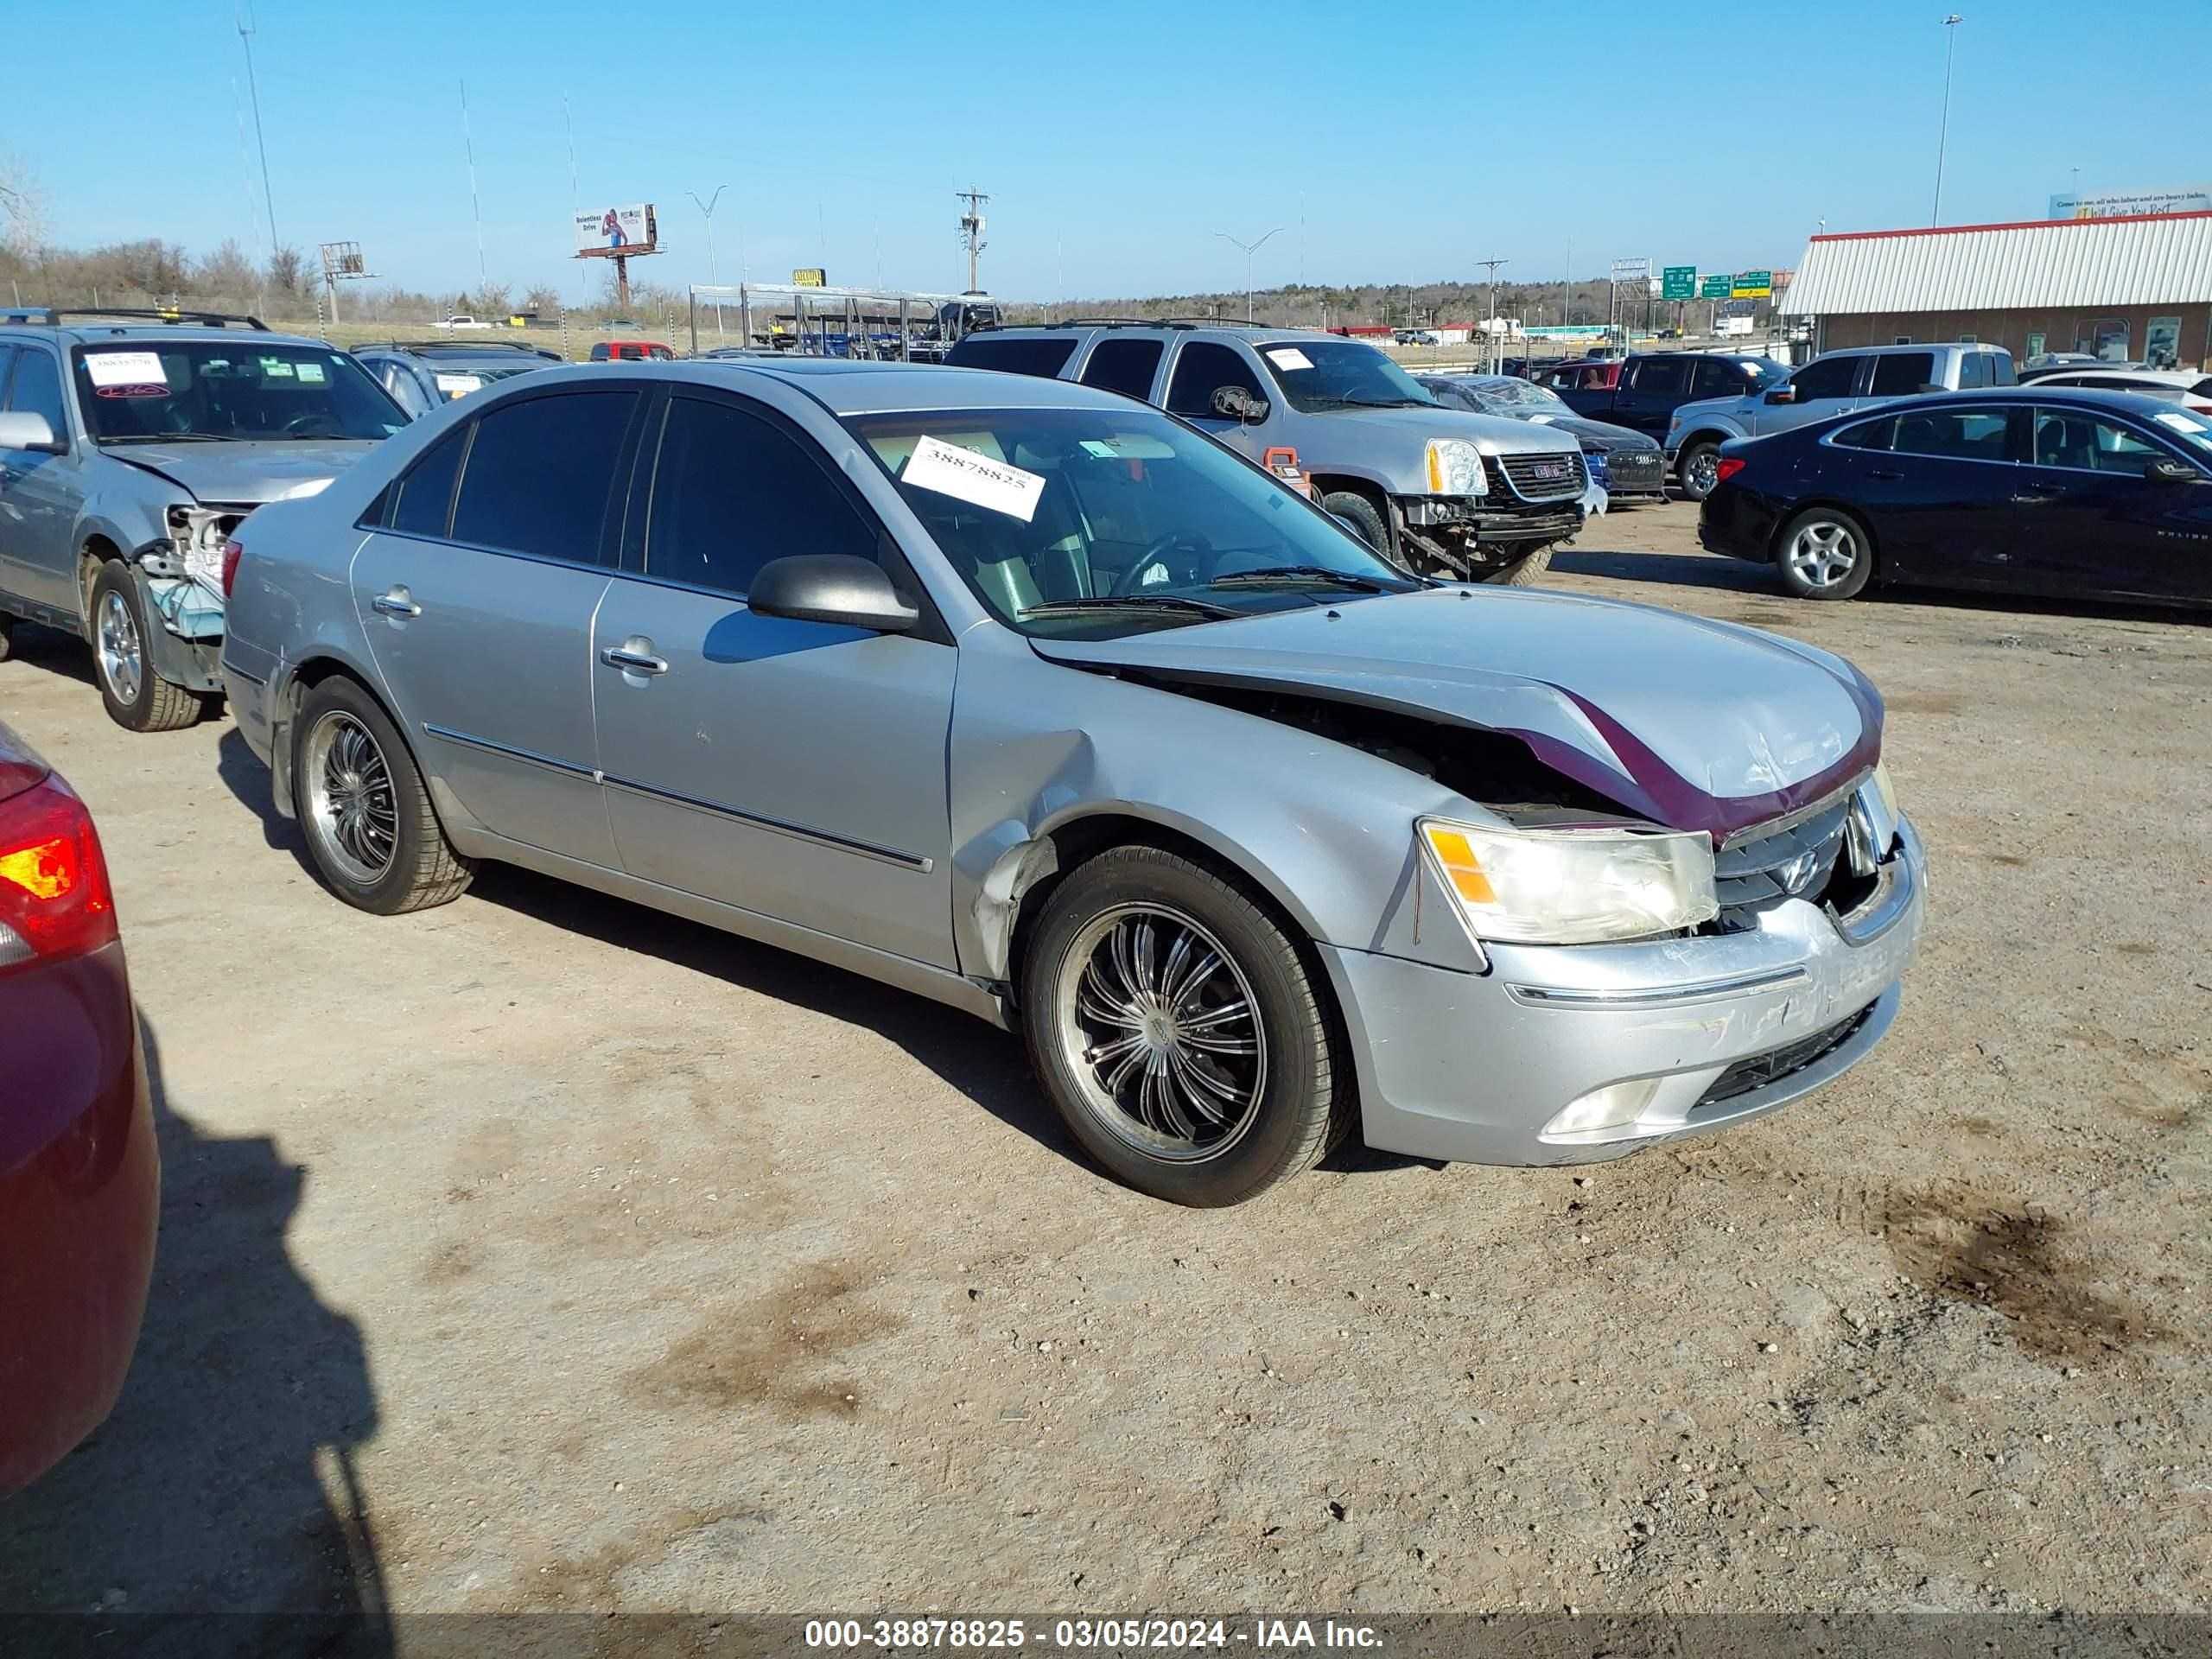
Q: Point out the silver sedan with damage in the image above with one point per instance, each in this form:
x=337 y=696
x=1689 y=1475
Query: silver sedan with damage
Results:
x=1039 y=702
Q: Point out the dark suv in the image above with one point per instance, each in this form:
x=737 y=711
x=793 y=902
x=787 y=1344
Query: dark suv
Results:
x=1643 y=391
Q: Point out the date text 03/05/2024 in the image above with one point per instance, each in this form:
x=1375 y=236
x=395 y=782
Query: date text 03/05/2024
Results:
x=1079 y=1634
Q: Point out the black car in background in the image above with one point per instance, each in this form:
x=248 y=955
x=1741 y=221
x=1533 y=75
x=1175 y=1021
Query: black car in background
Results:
x=1643 y=392
x=2059 y=492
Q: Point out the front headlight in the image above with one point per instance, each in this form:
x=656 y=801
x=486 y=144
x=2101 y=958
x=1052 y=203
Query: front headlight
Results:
x=1455 y=468
x=1573 y=887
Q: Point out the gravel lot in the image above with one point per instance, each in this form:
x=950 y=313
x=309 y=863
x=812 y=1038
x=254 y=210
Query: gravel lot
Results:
x=545 y=1252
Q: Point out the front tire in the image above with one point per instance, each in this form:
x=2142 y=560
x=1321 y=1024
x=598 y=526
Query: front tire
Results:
x=1360 y=514
x=1523 y=571
x=371 y=832
x=1825 y=553
x=1177 y=1031
x=1699 y=470
x=137 y=698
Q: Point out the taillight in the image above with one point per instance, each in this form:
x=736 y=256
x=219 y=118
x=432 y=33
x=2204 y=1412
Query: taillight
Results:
x=231 y=548
x=1730 y=466
x=54 y=896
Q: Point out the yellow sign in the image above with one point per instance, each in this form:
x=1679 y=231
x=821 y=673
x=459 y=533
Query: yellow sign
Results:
x=812 y=277
x=1754 y=285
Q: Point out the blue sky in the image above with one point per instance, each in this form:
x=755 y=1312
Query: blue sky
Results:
x=1413 y=140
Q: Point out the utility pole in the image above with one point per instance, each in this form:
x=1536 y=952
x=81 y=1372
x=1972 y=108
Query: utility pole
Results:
x=706 y=209
x=1943 y=133
x=475 y=201
x=971 y=232
x=576 y=207
x=1250 y=248
x=244 y=17
x=1490 y=266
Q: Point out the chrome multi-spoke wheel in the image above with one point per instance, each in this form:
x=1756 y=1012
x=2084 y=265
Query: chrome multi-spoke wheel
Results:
x=123 y=657
x=1700 y=471
x=1162 y=1030
x=350 y=796
x=1823 y=554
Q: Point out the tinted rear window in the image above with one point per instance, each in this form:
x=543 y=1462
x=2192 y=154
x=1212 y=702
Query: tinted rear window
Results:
x=1661 y=377
x=540 y=474
x=425 y=499
x=1898 y=374
x=1122 y=365
x=1043 y=357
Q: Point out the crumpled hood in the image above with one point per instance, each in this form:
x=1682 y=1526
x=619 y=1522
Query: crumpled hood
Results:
x=246 y=472
x=1694 y=724
x=1494 y=435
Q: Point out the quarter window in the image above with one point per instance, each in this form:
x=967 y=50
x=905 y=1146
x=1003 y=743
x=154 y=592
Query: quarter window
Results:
x=1867 y=434
x=1899 y=374
x=540 y=475
x=732 y=490
x=424 y=504
x=1825 y=377
x=1124 y=366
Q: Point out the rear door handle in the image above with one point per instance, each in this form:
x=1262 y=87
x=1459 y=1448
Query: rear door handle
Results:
x=396 y=602
x=2036 y=495
x=634 y=656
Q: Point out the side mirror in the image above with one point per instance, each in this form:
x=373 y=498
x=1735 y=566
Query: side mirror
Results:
x=1783 y=395
x=1235 y=404
x=831 y=588
x=22 y=430
x=2169 y=471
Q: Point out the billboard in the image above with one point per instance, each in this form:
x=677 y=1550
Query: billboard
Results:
x=1678 y=283
x=612 y=230
x=2112 y=204
x=1752 y=285
x=1715 y=288
x=810 y=277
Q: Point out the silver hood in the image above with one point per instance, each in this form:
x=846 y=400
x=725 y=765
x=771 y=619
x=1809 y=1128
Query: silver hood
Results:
x=1694 y=724
x=1494 y=435
x=246 y=472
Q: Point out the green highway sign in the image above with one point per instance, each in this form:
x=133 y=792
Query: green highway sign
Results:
x=1715 y=288
x=1678 y=283
x=1752 y=285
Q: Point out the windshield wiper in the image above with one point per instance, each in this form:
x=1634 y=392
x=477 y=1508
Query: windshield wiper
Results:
x=1202 y=608
x=167 y=437
x=1393 y=402
x=1271 y=574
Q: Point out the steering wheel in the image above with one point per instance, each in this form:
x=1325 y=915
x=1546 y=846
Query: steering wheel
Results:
x=1156 y=553
x=297 y=427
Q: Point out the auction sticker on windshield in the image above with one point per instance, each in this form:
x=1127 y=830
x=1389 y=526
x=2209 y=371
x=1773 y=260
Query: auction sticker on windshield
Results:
x=966 y=476
x=1289 y=357
x=130 y=370
x=457 y=386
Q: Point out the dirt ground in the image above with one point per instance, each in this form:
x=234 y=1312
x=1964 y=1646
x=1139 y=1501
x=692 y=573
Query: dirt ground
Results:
x=545 y=1252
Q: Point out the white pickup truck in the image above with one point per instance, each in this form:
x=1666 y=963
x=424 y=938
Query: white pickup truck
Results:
x=460 y=321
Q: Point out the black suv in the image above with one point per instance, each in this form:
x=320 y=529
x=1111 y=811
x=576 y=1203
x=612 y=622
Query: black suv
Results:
x=1642 y=392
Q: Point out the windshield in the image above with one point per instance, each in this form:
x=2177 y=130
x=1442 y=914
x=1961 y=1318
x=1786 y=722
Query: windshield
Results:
x=1766 y=373
x=156 y=390
x=2191 y=429
x=1091 y=523
x=1317 y=375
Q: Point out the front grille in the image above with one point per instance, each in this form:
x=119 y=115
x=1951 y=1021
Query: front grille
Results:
x=1637 y=469
x=1544 y=478
x=1796 y=862
x=1746 y=1076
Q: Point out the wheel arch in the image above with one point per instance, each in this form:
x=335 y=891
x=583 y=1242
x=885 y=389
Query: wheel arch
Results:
x=291 y=688
x=1835 y=505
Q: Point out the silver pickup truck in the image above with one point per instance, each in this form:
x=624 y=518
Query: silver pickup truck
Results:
x=1834 y=383
x=1437 y=490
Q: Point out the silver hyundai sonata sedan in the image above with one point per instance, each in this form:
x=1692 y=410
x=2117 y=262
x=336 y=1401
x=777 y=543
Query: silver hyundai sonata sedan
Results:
x=1031 y=699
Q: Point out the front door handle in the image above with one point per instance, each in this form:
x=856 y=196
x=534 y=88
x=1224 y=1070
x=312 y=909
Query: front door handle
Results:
x=1886 y=475
x=2037 y=495
x=396 y=602
x=634 y=656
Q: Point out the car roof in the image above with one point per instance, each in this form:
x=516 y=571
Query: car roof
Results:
x=104 y=333
x=2140 y=404
x=2184 y=378
x=1924 y=345
x=845 y=387
x=1163 y=325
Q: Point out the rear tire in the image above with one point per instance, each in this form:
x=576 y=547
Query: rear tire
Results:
x=1824 y=553
x=371 y=832
x=7 y=636
x=1175 y=1026
x=1523 y=571
x=137 y=698
x=1363 y=515
x=1699 y=470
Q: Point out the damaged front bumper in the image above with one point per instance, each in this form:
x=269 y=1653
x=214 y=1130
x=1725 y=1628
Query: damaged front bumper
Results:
x=1465 y=536
x=1561 y=1055
x=182 y=581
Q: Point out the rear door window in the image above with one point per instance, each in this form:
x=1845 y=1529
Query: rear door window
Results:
x=1955 y=434
x=1201 y=369
x=1867 y=434
x=731 y=491
x=1899 y=374
x=541 y=473
x=1044 y=357
x=1124 y=366
x=1660 y=377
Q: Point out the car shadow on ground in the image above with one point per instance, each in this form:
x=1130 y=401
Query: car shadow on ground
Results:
x=222 y=1490
x=51 y=649
x=1717 y=573
x=247 y=780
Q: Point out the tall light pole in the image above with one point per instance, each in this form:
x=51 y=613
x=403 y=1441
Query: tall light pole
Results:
x=1250 y=248
x=706 y=209
x=1943 y=133
x=244 y=20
